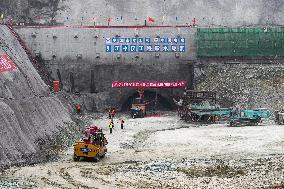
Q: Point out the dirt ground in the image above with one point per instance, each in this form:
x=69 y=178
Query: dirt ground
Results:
x=165 y=152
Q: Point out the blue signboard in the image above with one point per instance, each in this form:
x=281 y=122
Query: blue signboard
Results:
x=124 y=48
x=116 y=48
x=141 y=48
x=108 y=48
x=146 y=44
x=133 y=48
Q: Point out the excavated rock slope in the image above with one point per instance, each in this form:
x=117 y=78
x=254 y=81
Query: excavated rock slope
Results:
x=30 y=117
x=244 y=85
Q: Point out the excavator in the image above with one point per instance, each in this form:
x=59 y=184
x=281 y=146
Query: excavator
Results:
x=91 y=146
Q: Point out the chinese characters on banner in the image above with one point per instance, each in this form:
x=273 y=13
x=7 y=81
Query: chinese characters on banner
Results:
x=6 y=64
x=178 y=84
x=126 y=45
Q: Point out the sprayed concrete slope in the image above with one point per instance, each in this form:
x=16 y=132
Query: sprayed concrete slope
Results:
x=29 y=115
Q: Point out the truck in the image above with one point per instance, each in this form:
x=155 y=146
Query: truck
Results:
x=92 y=146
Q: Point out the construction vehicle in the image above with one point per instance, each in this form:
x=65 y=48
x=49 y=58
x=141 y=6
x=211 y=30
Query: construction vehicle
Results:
x=249 y=117
x=279 y=117
x=201 y=106
x=138 y=108
x=91 y=146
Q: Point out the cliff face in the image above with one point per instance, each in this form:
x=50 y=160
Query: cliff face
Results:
x=30 y=117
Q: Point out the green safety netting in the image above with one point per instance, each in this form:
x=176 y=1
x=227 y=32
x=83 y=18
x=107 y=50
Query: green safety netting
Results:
x=248 y=42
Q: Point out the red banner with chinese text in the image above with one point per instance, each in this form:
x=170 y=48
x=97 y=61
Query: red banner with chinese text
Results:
x=6 y=64
x=121 y=84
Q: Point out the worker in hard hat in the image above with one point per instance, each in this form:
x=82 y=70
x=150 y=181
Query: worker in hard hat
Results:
x=121 y=123
x=110 y=127
x=109 y=113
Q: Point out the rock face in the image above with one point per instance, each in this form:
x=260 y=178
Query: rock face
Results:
x=30 y=116
x=244 y=85
x=132 y=12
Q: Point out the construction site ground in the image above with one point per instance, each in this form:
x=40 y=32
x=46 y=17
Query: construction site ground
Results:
x=165 y=152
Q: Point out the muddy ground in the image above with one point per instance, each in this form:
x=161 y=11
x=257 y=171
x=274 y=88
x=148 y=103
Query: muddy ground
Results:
x=165 y=152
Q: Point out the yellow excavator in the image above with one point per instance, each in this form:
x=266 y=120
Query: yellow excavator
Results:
x=92 y=146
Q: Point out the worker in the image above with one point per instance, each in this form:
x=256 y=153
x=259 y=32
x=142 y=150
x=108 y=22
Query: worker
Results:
x=113 y=113
x=112 y=123
x=121 y=123
x=109 y=114
x=110 y=127
x=78 y=108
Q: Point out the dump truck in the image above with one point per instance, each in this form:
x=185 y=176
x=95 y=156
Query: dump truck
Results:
x=92 y=146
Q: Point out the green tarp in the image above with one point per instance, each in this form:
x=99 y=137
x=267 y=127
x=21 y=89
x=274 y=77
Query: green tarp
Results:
x=246 y=42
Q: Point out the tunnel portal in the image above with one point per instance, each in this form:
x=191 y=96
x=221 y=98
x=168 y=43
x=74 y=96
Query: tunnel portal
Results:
x=155 y=101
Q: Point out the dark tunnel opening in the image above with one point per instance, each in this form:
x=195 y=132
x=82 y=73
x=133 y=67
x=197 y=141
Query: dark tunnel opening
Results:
x=163 y=104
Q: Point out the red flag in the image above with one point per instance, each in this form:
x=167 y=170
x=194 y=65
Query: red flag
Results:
x=150 y=19
x=194 y=22
x=108 y=20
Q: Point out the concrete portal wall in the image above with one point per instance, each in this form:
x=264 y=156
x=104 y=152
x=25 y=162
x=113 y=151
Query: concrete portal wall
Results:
x=104 y=96
x=60 y=56
x=89 y=42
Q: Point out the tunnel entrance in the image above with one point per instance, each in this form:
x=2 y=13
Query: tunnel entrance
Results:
x=154 y=102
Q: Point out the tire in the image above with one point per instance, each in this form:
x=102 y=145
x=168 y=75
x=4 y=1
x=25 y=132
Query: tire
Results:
x=76 y=158
x=102 y=156
x=97 y=158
